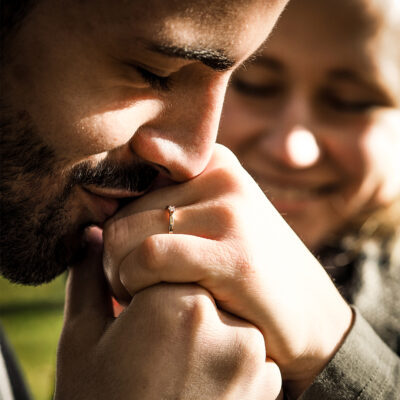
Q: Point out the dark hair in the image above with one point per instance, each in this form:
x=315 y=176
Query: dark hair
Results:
x=12 y=13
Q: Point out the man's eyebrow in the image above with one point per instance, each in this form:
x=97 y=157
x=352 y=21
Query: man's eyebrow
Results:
x=215 y=59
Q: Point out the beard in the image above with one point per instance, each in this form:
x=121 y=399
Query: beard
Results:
x=39 y=238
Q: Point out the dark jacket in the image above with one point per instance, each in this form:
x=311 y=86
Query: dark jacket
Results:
x=367 y=366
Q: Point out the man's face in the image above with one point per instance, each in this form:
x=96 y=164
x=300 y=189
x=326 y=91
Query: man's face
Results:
x=103 y=101
x=316 y=118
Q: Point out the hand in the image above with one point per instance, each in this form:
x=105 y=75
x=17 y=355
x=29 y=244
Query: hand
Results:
x=170 y=342
x=230 y=240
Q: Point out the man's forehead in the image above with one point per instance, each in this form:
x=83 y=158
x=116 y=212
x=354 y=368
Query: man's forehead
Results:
x=214 y=25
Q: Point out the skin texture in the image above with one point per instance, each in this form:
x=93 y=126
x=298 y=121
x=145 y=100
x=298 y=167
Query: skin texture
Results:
x=322 y=138
x=170 y=342
x=77 y=113
x=231 y=241
x=329 y=127
x=87 y=127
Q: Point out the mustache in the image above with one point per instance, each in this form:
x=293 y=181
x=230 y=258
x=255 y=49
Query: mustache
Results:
x=135 y=177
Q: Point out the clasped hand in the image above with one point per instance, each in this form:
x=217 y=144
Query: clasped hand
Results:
x=207 y=307
x=230 y=240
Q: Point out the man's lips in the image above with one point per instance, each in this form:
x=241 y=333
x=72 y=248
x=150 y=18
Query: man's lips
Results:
x=111 y=193
x=100 y=207
x=105 y=202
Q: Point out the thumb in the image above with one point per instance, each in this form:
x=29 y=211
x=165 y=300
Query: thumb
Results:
x=88 y=306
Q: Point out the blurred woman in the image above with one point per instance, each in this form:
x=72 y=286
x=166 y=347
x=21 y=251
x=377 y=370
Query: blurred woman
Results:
x=315 y=119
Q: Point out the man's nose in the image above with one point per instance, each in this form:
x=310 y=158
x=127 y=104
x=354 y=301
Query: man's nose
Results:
x=292 y=139
x=181 y=138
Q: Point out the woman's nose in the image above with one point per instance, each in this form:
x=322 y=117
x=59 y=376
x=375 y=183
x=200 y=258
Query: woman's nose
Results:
x=294 y=148
x=301 y=148
x=291 y=138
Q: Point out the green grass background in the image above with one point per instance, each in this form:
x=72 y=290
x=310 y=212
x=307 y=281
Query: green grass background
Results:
x=32 y=319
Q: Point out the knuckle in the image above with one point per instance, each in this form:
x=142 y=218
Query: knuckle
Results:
x=245 y=266
x=191 y=303
x=180 y=306
x=149 y=253
x=223 y=179
x=274 y=378
x=224 y=213
x=148 y=298
x=194 y=307
x=226 y=179
x=252 y=345
x=240 y=352
x=237 y=254
x=225 y=154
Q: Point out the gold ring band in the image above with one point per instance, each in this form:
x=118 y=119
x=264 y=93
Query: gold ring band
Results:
x=171 y=212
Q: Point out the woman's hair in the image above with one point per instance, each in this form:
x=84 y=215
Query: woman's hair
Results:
x=383 y=222
x=381 y=226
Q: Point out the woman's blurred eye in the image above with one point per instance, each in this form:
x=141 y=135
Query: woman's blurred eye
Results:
x=349 y=106
x=255 y=90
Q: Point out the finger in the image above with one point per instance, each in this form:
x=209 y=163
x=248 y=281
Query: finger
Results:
x=213 y=220
x=266 y=381
x=176 y=259
x=271 y=380
x=166 y=309
x=88 y=304
x=262 y=375
x=221 y=176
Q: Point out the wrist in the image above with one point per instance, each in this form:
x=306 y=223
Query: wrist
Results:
x=331 y=333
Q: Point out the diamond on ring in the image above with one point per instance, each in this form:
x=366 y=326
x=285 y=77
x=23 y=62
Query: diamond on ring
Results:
x=171 y=211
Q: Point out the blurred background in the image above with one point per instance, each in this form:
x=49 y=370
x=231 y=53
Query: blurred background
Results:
x=32 y=319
